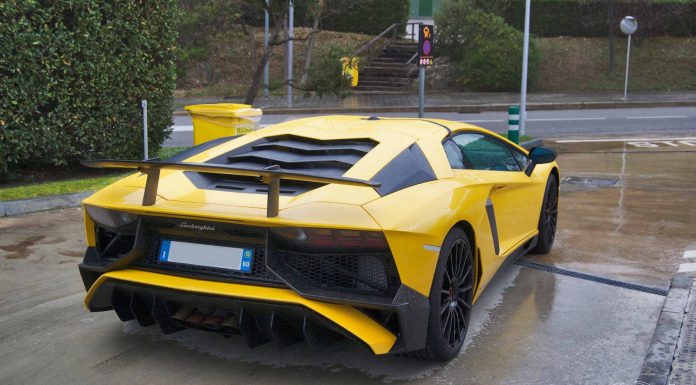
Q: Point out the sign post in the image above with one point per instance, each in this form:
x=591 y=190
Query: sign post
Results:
x=425 y=59
x=628 y=26
x=143 y=104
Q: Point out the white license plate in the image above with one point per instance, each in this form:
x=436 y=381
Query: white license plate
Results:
x=232 y=258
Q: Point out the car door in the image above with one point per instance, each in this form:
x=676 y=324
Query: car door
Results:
x=497 y=164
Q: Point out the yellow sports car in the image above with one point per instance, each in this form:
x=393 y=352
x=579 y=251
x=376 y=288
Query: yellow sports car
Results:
x=382 y=230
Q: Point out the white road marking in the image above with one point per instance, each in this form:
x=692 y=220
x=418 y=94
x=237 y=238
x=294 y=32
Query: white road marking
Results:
x=658 y=117
x=562 y=119
x=687 y=267
x=482 y=121
x=689 y=254
x=622 y=140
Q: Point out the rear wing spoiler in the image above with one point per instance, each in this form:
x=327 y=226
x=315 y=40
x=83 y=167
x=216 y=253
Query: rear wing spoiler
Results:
x=271 y=176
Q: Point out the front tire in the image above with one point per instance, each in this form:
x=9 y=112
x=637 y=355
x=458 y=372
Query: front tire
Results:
x=548 y=217
x=451 y=299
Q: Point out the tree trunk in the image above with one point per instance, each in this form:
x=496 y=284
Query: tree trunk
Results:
x=252 y=50
x=310 y=45
x=255 y=85
x=275 y=32
x=611 y=15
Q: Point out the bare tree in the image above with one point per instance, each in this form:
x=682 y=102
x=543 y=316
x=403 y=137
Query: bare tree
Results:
x=318 y=11
x=277 y=13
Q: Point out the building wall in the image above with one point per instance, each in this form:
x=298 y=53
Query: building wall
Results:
x=423 y=9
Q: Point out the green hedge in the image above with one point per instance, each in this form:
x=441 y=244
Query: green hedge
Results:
x=370 y=17
x=588 y=18
x=73 y=73
x=361 y=16
x=491 y=57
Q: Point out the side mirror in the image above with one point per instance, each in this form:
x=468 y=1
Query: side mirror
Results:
x=541 y=155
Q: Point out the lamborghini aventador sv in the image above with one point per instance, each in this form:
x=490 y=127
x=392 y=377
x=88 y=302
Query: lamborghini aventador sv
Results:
x=381 y=230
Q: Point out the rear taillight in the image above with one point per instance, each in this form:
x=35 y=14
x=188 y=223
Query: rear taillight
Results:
x=315 y=238
x=114 y=232
x=110 y=218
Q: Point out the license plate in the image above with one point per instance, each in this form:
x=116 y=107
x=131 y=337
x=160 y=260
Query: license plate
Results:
x=224 y=257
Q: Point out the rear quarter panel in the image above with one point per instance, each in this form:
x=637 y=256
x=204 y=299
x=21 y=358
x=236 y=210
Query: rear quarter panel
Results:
x=423 y=215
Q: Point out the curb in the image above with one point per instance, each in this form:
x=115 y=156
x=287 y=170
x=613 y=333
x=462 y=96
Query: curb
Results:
x=26 y=206
x=53 y=202
x=658 y=362
x=473 y=108
x=536 y=142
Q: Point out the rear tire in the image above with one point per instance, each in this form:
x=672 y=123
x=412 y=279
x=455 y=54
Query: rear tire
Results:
x=451 y=299
x=548 y=217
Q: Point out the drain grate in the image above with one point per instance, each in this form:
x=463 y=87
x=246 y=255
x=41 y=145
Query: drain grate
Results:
x=590 y=181
x=593 y=278
x=684 y=364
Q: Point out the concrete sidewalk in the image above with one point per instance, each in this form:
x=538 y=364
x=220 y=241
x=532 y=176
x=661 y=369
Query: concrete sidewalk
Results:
x=466 y=102
x=671 y=358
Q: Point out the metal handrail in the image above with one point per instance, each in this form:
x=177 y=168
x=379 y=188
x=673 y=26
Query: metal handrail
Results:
x=415 y=55
x=367 y=45
x=373 y=47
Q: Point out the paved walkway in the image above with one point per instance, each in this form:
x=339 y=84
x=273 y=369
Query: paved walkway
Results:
x=456 y=102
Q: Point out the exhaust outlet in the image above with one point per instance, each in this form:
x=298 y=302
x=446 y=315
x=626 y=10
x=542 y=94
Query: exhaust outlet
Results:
x=214 y=320
x=183 y=313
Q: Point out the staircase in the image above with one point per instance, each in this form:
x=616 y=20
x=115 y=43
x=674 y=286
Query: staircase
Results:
x=388 y=63
x=389 y=71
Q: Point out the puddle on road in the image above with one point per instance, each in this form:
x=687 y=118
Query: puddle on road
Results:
x=344 y=355
x=624 y=214
x=20 y=250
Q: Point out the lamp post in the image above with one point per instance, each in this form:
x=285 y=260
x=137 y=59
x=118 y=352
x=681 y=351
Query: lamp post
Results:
x=265 y=46
x=525 y=61
x=628 y=26
x=291 y=36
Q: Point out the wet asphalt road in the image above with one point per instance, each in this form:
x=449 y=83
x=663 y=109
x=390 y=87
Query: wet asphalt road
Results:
x=529 y=327
x=553 y=123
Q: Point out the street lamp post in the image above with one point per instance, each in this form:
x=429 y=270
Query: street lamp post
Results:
x=525 y=61
x=265 y=46
x=291 y=36
x=628 y=26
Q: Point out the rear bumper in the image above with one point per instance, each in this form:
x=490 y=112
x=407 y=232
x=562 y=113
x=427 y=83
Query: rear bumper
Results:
x=265 y=312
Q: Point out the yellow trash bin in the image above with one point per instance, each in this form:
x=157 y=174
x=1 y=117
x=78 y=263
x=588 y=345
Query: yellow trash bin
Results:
x=350 y=69
x=212 y=121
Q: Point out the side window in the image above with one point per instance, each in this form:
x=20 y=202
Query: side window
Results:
x=454 y=154
x=521 y=158
x=486 y=153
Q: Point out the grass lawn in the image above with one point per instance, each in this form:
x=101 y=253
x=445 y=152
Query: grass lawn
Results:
x=69 y=186
x=523 y=138
x=582 y=64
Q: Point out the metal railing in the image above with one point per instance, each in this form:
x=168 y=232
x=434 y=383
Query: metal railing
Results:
x=408 y=31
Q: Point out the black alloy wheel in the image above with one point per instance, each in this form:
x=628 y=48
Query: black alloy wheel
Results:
x=456 y=295
x=548 y=218
x=451 y=299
